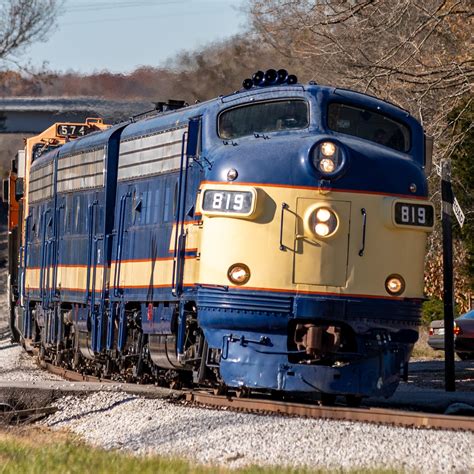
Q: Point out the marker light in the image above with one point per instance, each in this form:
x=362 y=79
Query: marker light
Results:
x=239 y=273
x=232 y=174
x=328 y=158
x=457 y=330
x=395 y=285
x=323 y=222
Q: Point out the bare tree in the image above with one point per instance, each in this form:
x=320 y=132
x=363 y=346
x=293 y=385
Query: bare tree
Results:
x=22 y=23
x=415 y=53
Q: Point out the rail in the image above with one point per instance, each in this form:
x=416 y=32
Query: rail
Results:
x=382 y=416
x=365 y=415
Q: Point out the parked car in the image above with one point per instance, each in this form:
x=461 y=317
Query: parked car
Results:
x=463 y=335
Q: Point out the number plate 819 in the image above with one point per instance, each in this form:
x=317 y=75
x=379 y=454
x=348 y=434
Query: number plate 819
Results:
x=414 y=214
x=235 y=202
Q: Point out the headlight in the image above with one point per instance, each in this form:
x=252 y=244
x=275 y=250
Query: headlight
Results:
x=323 y=222
x=328 y=158
x=238 y=274
x=395 y=285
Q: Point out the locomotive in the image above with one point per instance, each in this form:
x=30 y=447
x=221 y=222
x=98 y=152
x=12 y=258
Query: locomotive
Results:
x=270 y=240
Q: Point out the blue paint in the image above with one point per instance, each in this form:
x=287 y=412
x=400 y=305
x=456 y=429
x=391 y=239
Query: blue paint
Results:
x=133 y=220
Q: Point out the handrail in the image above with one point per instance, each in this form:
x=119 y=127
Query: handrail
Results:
x=55 y=256
x=89 y=246
x=43 y=256
x=92 y=305
x=120 y=237
x=23 y=262
x=45 y=297
x=178 y=256
x=94 y=269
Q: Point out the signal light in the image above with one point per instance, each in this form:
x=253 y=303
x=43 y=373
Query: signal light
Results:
x=247 y=84
x=282 y=76
x=259 y=78
x=292 y=79
x=269 y=78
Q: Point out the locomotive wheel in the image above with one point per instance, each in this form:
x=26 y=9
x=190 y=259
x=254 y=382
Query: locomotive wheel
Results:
x=242 y=392
x=220 y=390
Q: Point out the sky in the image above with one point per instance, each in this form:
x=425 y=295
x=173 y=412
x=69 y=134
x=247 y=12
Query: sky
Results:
x=121 y=35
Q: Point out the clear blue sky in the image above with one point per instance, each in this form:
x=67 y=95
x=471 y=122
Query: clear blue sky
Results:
x=121 y=35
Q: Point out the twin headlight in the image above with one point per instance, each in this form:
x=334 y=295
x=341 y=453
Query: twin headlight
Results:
x=328 y=158
x=322 y=221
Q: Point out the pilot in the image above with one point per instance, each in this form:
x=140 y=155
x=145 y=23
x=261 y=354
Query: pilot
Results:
x=380 y=136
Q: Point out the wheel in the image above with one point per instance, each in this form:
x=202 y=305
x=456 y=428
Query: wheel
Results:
x=465 y=355
x=242 y=392
x=220 y=390
x=353 y=401
x=328 y=399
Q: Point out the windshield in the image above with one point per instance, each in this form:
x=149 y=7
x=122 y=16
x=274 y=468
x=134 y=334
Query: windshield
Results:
x=469 y=315
x=373 y=126
x=263 y=117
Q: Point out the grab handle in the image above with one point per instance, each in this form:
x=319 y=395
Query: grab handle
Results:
x=364 y=227
x=284 y=206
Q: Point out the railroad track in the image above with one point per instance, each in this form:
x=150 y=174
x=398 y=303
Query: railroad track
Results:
x=268 y=406
x=4 y=332
x=366 y=415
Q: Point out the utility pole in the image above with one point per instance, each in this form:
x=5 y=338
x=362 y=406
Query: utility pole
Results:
x=448 y=291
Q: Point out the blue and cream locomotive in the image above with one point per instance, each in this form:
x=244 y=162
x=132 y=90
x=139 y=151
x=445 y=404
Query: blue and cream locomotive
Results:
x=269 y=240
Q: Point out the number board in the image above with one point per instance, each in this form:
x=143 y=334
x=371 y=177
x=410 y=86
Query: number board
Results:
x=421 y=215
x=71 y=130
x=235 y=202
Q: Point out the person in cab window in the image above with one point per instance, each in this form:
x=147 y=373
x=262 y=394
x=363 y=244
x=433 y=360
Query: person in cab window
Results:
x=380 y=136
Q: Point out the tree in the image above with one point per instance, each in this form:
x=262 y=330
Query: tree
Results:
x=22 y=23
x=415 y=53
x=462 y=123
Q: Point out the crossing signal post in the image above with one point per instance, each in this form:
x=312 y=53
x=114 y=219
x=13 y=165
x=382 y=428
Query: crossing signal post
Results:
x=448 y=291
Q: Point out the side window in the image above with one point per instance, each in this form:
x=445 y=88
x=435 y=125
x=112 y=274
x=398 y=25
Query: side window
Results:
x=33 y=224
x=170 y=198
x=69 y=214
x=77 y=214
x=137 y=207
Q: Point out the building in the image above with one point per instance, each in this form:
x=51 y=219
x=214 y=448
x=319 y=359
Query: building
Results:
x=21 y=117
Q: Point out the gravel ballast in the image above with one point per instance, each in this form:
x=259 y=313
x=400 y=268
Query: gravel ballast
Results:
x=143 y=426
x=116 y=420
x=17 y=366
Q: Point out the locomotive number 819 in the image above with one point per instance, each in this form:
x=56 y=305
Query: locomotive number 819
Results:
x=269 y=240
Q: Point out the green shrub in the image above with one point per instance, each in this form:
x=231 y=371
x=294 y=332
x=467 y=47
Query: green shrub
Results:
x=432 y=310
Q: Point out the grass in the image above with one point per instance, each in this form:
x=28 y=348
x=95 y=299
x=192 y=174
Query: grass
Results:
x=36 y=450
x=422 y=350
